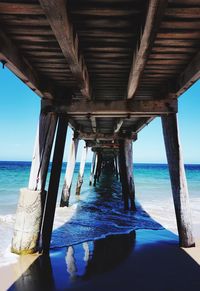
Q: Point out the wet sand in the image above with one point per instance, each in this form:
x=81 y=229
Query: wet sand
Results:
x=141 y=260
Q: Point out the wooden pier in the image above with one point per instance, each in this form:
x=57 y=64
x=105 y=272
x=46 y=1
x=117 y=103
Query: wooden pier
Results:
x=106 y=69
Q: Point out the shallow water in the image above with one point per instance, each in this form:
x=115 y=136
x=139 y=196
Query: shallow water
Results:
x=99 y=210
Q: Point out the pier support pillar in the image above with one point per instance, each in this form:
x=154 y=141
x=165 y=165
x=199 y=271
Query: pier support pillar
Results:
x=50 y=203
x=69 y=172
x=81 y=170
x=30 y=206
x=93 y=163
x=116 y=167
x=126 y=173
x=178 y=180
x=97 y=170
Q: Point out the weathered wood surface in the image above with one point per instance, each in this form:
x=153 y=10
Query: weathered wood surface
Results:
x=31 y=202
x=50 y=203
x=42 y=151
x=126 y=174
x=92 y=168
x=113 y=108
x=39 y=44
x=97 y=169
x=93 y=123
x=154 y=15
x=116 y=167
x=28 y=222
x=69 y=172
x=56 y=12
x=178 y=180
x=81 y=170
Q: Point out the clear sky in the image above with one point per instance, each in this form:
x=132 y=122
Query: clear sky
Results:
x=19 y=111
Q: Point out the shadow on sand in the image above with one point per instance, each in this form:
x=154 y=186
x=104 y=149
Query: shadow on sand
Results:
x=145 y=260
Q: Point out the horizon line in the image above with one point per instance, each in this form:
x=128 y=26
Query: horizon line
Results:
x=154 y=163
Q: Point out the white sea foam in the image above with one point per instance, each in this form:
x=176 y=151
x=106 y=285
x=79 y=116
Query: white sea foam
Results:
x=8 y=258
x=7 y=221
x=8 y=218
x=6 y=231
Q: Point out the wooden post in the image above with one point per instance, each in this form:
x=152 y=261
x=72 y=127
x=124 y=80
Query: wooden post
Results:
x=92 y=168
x=178 y=180
x=116 y=167
x=126 y=173
x=30 y=206
x=69 y=172
x=81 y=170
x=42 y=151
x=50 y=203
x=95 y=169
x=99 y=165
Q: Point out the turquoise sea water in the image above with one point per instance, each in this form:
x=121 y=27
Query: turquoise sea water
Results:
x=99 y=210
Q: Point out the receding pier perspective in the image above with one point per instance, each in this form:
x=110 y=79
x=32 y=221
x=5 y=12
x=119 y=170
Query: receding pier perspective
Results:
x=106 y=69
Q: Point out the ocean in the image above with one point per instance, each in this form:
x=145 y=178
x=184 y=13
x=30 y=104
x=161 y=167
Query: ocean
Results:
x=99 y=210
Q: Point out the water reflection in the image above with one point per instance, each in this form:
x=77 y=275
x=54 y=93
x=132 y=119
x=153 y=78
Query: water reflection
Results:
x=108 y=253
x=153 y=262
x=71 y=262
x=82 y=262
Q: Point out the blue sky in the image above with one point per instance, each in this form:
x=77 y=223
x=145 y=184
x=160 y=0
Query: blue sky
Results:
x=19 y=111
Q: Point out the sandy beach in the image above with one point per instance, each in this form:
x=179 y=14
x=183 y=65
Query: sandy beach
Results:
x=140 y=260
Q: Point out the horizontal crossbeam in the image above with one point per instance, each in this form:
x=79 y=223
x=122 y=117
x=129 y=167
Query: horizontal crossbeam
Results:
x=106 y=136
x=117 y=108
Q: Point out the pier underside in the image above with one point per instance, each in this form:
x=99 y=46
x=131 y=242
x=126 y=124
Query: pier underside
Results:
x=106 y=69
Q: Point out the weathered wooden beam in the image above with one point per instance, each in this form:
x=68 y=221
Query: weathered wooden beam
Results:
x=107 y=11
x=81 y=170
x=92 y=168
x=154 y=14
x=126 y=174
x=20 y=66
x=114 y=108
x=56 y=13
x=178 y=180
x=42 y=151
x=97 y=170
x=190 y=75
x=118 y=125
x=69 y=172
x=107 y=147
x=116 y=166
x=31 y=202
x=94 y=124
x=20 y=8
x=107 y=136
x=187 y=12
x=50 y=203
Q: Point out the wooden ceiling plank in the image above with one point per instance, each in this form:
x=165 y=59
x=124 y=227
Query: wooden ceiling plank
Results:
x=188 y=12
x=20 y=8
x=155 y=11
x=56 y=12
